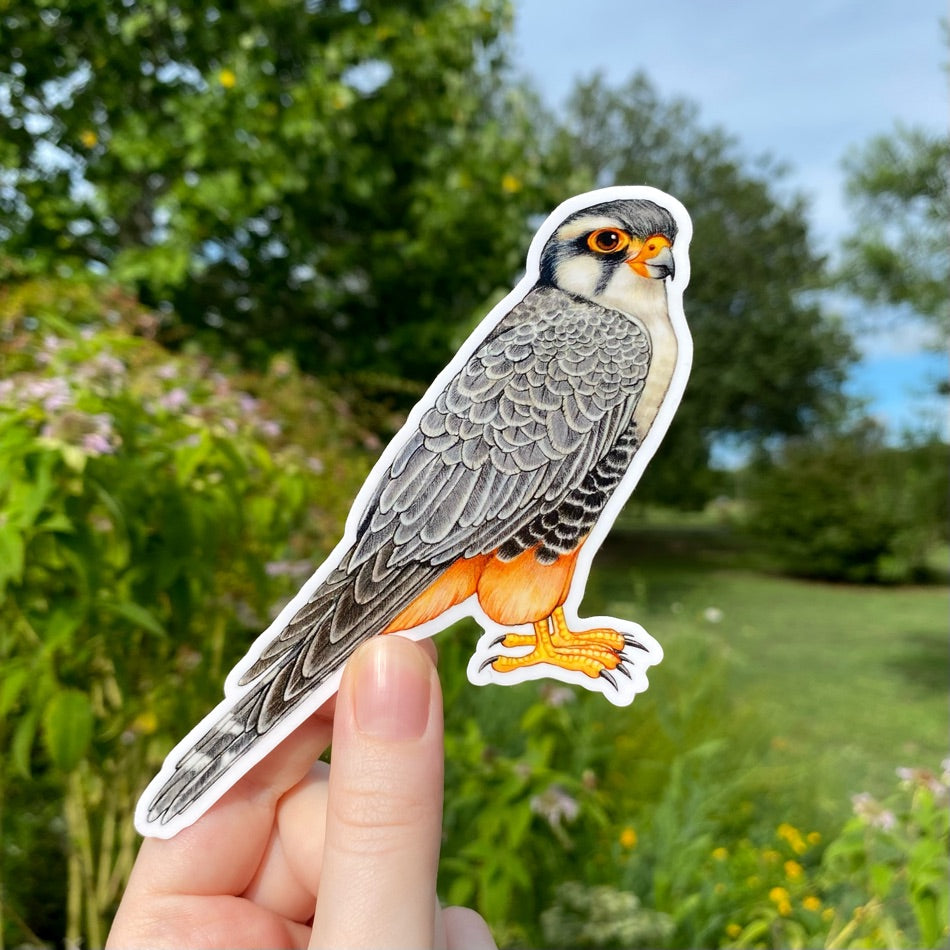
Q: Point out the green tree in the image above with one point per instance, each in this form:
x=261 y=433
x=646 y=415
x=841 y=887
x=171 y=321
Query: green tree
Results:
x=768 y=360
x=349 y=179
x=851 y=507
x=899 y=186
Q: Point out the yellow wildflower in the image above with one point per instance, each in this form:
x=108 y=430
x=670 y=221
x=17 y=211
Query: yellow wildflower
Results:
x=510 y=184
x=793 y=836
x=812 y=903
x=720 y=854
x=779 y=897
x=88 y=138
x=813 y=837
x=145 y=723
x=227 y=78
x=793 y=870
x=733 y=930
x=628 y=838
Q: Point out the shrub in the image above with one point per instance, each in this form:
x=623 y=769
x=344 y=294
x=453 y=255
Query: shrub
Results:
x=145 y=505
x=547 y=785
x=881 y=880
x=850 y=508
x=602 y=916
x=888 y=870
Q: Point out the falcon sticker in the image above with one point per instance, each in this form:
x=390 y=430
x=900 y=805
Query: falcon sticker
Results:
x=492 y=499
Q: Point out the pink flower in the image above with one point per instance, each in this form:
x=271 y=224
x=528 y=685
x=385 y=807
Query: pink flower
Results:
x=269 y=428
x=872 y=812
x=555 y=805
x=95 y=443
x=174 y=399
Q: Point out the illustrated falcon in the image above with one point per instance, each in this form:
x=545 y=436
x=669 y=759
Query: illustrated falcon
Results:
x=493 y=497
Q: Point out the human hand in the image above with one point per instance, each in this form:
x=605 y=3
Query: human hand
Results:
x=299 y=854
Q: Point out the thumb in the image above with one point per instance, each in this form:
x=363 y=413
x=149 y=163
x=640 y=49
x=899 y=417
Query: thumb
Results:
x=384 y=807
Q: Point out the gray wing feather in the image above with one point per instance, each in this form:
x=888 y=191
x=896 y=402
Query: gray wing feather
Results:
x=542 y=401
x=536 y=406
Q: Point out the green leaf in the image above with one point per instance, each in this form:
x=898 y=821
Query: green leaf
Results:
x=22 y=743
x=928 y=918
x=881 y=877
x=11 y=686
x=11 y=555
x=138 y=615
x=74 y=457
x=60 y=627
x=67 y=728
x=27 y=498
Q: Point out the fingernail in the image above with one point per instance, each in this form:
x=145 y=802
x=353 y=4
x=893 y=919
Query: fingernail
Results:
x=392 y=685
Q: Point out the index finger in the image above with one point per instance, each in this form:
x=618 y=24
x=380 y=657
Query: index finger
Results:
x=220 y=853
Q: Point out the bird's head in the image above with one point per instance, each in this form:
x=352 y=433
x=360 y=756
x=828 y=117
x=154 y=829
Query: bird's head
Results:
x=613 y=253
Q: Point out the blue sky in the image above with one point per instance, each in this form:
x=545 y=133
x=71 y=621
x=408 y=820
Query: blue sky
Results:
x=802 y=82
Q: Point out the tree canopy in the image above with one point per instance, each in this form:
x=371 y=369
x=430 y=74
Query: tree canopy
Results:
x=899 y=185
x=356 y=182
x=345 y=179
x=768 y=359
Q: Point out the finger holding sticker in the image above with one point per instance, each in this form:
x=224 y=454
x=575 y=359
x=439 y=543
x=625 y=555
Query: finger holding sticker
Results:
x=304 y=855
x=492 y=499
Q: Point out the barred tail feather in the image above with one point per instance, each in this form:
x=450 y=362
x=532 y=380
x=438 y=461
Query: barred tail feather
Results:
x=209 y=758
x=348 y=608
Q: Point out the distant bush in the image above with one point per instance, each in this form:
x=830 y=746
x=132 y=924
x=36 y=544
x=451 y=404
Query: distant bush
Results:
x=147 y=507
x=850 y=507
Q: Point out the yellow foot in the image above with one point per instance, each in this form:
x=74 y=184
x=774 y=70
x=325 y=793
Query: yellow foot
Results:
x=565 y=638
x=591 y=657
x=591 y=661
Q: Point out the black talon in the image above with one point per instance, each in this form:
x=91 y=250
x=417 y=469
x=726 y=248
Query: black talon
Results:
x=498 y=640
x=609 y=679
x=635 y=643
x=625 y=671
x=487 y=662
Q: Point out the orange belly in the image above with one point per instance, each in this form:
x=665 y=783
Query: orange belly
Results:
x=512 y=593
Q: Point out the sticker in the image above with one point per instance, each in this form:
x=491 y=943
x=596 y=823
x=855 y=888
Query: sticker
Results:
x=492 y=499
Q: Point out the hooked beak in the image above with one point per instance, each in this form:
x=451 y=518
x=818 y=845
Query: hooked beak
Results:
x=654 y=259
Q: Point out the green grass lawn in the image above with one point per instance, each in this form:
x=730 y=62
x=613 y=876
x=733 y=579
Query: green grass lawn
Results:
x=850 y=682
x=776 y=702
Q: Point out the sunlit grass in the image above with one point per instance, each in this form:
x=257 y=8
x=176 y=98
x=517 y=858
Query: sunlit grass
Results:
x=829 y=688
x=850 y=681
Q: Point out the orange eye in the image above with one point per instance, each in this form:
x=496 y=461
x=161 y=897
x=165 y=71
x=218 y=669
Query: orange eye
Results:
x=608 y=240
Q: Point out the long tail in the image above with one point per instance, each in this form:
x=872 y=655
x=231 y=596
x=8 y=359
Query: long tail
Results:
x=351 y=606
